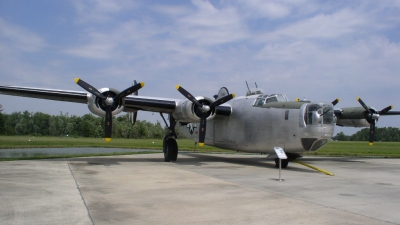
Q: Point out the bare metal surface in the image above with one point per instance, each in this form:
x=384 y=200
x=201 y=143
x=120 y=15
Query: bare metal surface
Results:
x=198 y=189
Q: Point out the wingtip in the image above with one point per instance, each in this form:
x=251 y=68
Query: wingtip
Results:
x=76 y=80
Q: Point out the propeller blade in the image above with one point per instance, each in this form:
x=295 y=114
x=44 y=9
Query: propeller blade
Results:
x=136 y=92
x=129 y=91
x=108 y=123
x=89 y=88
x=202 y=134
x=188 y=95
x=363 y=104
x=371 y=133
x=385 y=110
x=222 y=100
x=336 y=101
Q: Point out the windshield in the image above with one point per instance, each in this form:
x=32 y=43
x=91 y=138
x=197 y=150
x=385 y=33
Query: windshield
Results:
x=263 y=99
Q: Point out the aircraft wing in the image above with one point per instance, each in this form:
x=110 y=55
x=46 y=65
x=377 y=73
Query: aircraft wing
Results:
x=50 y=94
x=132 y=103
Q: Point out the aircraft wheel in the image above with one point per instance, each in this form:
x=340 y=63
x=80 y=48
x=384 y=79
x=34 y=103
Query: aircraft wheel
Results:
x=170 y=150
x=284 y=162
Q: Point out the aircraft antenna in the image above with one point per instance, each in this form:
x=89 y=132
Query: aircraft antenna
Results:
x=248 y=86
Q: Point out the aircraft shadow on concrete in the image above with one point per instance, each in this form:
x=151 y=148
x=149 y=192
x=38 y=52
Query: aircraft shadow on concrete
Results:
x=197 y=159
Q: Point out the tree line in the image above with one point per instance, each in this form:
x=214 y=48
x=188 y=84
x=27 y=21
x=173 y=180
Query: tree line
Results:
x=88 y=125
x=388 y=134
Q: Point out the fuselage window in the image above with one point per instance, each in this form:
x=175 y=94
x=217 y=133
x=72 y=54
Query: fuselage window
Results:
x=286 y=114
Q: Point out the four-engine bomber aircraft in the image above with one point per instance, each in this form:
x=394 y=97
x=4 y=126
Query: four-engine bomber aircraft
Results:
x=254 y=123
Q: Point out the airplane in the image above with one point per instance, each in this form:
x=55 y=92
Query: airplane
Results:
x=254 y=123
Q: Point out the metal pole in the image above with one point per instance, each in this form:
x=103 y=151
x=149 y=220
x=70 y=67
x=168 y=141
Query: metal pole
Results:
x=280 y=162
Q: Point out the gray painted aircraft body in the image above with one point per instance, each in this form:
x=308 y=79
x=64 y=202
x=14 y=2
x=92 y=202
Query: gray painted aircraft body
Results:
x=254 y=123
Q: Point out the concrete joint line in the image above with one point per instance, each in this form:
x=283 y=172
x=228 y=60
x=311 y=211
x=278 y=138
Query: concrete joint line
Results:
x=80 y=193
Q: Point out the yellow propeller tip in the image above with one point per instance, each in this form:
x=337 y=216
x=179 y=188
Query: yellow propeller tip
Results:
x=338 y=99
x=201 y=144
x=233 y=95
x=76 y=80
x=177 y=87
x=391 y=107
x=297 y=99
x=108 y=139
x=358 y=98
x=371 y=143
x=142 y=84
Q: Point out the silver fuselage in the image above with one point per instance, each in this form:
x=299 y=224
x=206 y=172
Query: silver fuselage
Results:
x=294 y=126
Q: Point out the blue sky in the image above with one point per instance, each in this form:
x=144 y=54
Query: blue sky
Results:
x=319 y=50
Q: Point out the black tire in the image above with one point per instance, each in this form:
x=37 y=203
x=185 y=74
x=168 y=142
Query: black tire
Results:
x=284 y=162
x=170 y=149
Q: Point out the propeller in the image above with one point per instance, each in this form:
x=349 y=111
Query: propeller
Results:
x=372 y=116
x=336 y=101
x=109 y=101
x=203 y=110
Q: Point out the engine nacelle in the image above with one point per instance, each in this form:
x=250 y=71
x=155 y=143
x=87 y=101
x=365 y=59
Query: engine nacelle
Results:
x=352 y=122
x=97 y=106
x=188 y=112
x=352 y=117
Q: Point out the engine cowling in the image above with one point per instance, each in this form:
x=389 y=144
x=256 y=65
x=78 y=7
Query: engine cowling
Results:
x=97 y=107
x=352 y=117
x=188 y=112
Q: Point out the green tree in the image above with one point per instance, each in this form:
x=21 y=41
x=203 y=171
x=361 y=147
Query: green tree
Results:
x=341 y=137
x=2 y=121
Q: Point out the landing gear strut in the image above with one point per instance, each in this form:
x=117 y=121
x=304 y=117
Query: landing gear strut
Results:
x=170 y=147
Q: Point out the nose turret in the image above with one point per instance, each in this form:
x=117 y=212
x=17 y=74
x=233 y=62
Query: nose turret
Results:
x=318 y=125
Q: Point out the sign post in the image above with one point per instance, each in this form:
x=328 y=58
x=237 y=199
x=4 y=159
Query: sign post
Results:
x=281 y=155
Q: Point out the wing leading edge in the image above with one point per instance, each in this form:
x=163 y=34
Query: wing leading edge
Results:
x=132 y=103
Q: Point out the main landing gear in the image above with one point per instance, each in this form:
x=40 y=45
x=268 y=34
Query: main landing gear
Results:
x=170 y=147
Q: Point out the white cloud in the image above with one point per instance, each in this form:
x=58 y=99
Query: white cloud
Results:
x=20 y=38
x=330 y=26
x=101 y=10
x=266 y=9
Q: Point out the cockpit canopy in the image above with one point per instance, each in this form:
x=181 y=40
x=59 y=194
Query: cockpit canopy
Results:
x=263 y=99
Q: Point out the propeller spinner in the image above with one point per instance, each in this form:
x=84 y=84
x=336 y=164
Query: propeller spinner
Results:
x=372 y=116
x=109 y=101
x=203 y=110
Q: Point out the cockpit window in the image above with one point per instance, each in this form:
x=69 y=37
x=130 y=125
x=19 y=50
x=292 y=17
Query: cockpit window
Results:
x=263 y=99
